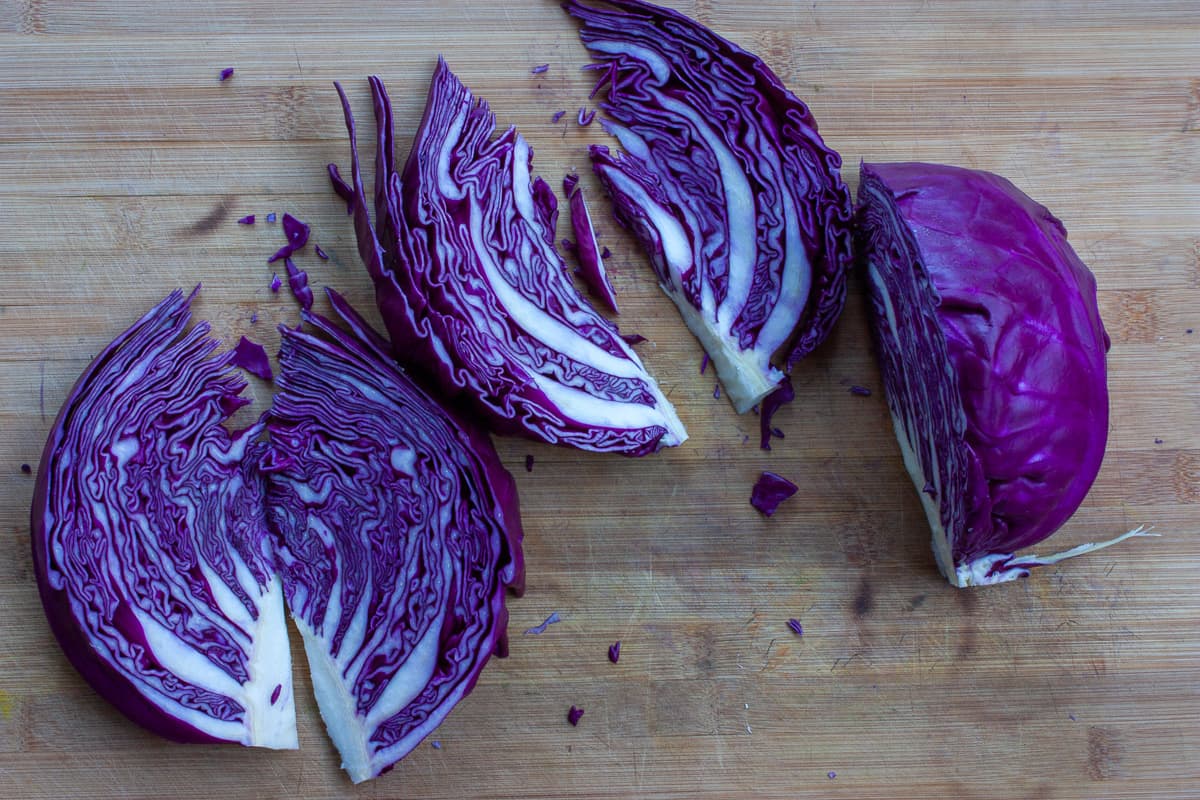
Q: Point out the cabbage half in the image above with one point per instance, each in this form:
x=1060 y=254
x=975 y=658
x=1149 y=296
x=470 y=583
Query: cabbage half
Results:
x=475 y=296
x=993 y=358
x=150 y=544
x=728 y=186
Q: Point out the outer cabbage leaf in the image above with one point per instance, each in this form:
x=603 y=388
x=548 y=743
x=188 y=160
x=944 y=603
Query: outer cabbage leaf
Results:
x=475 y=296
x=727 y=184
x=150 y=545
x=993 y=358
x=399 y=533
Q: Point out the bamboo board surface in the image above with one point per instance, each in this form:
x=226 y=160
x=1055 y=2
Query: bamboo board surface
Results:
x=124 y=164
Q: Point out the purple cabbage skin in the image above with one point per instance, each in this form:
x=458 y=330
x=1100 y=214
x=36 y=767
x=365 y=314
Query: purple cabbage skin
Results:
x=399 y=534
x=727 y=184
x=150 y=546
x=474 y=294
x=993 y=358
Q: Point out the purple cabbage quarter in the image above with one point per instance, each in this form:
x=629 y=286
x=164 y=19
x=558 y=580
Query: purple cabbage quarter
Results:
x=399 y=536
x=476 y=298
x=726 y=183
x=150 y=544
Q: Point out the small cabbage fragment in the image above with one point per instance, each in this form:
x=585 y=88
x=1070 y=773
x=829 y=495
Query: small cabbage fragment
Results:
x=993 y=359
x=727 y=184
x=297 y=236
x=252 y=357
x=475 y=296
x=398 y=537
x=539 y=629
x=769 y=491
x=298 y=283
x=614 y=652
x=151 y=549
x=574 y=714
x=591 y=262
x=226 y=74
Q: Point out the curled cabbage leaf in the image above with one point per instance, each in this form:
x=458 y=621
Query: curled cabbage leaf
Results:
x=474 y=294
x=398 y=536
x=993 y=358
x=727 y=184
x=150 y=545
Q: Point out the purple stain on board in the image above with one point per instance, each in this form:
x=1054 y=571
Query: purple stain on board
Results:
x=529 y=463
x=537 y=630
x=254 y=318
x=539 y=69
x=633 y=338
x=28 y=470
x=275 y=282
x=321 y=254
x=796 y=627
x=226 y=74
x=568 y=245
x=574 y=715
x=1072 y=717
x=585 y=117
x=272 y=217
x=614 y=651
x=704 y=363
x=246 y=220
x=717 y=392
x=557 y=115
x=860 y=391
x=1158 y=441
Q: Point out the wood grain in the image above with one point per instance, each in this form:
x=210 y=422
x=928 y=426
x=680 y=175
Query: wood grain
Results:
x=116 y=139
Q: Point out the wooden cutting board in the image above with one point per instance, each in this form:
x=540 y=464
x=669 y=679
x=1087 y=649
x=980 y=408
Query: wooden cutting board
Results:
x=124 y=164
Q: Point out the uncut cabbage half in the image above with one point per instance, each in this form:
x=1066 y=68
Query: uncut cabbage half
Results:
x=993 y=358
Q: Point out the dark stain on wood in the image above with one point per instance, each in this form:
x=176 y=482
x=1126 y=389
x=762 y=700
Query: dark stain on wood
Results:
x=864 y=601
x=209 y=222
x=1103 y=753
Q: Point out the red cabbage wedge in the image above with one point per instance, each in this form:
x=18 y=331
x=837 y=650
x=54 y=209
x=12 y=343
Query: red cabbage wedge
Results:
x=727 y=184
x=150 y=544
x=399 y=534
x=993 y=359
x=474 y=294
